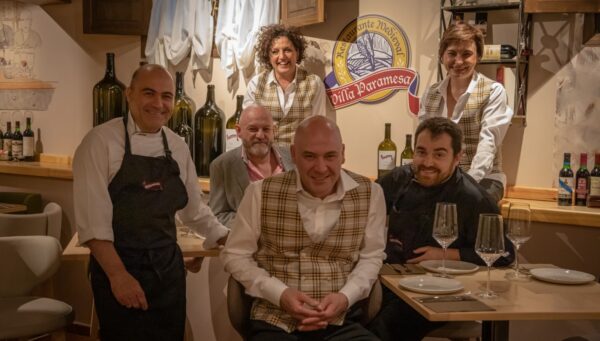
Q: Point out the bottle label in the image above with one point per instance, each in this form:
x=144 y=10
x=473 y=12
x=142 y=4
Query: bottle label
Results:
x=386 y=160
x=27 y=146
x=17 y=149
x=232 y=140
x=595 y=186
x=7 y=145
x=491 y=52
x=565 y=187
x=405 y=162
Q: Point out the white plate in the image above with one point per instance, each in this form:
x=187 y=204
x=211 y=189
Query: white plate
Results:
x=430 y=284
x=453 y=267
x=562 y=276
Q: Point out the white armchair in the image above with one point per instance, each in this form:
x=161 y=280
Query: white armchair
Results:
x=47 y=223
x=25 y=262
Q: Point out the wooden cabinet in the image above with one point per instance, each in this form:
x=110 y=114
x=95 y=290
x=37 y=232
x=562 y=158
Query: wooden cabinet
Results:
x=128 y=17
x=302 y=12
x=562 y=6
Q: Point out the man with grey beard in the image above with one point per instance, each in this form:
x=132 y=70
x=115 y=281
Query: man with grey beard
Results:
x=257 y=158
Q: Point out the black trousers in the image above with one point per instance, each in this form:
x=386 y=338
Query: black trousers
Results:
x=398 y=321
x=161 y=275
x=351 y=330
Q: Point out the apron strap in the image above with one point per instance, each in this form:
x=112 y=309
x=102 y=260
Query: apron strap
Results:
x=127 y=144
x=168 y=152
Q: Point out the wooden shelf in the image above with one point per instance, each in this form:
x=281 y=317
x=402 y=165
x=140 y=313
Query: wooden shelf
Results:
x=482 y=7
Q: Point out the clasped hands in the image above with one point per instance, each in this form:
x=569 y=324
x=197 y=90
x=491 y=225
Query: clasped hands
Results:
x=310 y=313
x=432 y=252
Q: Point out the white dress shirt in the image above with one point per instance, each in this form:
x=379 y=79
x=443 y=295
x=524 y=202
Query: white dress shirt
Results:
x=238 y=26
x=286 y=97
x=318 y=218
x=98 y=159
x=495 y=121
x=178 y=27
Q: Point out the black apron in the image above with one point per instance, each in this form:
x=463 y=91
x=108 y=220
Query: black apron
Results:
x=145 y=193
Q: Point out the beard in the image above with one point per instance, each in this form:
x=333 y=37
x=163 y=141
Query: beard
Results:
x=258 y=149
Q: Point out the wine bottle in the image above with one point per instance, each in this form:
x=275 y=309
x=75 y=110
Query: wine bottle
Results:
x=28 y=141
x=386 y=153
x=594 y=197
x=582 y=181
x=406 y=157
x=183 y=108
x=565 y=182
x=17 y=142
x=109 y=95
x=232 y=140
x=495 y=52
x=209 y=133
x=7 y=143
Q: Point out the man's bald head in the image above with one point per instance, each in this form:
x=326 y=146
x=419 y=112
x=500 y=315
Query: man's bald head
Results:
x=146 y=69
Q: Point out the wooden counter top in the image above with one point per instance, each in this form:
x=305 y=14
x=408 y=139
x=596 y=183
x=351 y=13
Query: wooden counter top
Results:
x=44 y=170
x=546 y=210
x=550 y=212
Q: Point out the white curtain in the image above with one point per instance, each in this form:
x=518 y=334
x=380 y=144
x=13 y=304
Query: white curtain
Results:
x=178 y=27
x=238 y=25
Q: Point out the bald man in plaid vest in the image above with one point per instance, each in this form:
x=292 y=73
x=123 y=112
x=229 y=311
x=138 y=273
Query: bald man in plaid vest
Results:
x=308 y=243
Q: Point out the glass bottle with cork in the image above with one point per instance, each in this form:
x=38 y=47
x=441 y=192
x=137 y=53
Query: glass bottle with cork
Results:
x=232 y=140
x=386 y=153
x=565 y=182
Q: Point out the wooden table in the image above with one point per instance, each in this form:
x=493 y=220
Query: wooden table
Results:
x=191 y=246
x=529 y=300
x=12 y=208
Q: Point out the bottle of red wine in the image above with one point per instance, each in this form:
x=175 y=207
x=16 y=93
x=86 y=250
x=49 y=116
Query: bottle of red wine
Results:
x=232 y=140
x=209 y=133
x=109 y=95
x=582 y=181
x=28 y=141
x=565 y=182
x=386 y=153
x=17 y=143
x=495 y=52
x=7 y=143
x=594 y=197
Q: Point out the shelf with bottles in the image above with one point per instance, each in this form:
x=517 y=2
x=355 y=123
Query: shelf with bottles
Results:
x=450 y=10
x=496 y=6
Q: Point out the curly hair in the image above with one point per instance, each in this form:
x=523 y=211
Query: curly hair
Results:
x=267 y=36
x=461 y=32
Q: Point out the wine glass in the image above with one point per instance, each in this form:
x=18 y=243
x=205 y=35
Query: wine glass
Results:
x=489 y=244
x=518 y=232
x=445 y=229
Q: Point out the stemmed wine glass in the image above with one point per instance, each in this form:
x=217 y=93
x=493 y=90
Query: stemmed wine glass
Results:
x=445 y=229
x=489 y=244
x=518 y=232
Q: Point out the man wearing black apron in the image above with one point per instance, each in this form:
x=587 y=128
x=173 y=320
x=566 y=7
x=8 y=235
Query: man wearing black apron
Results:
x=131 y=176
x=411 y=193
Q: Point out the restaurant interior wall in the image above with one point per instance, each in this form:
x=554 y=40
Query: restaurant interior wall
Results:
x=76 y=62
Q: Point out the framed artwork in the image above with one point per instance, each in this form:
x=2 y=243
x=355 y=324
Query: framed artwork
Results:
x=302 y=12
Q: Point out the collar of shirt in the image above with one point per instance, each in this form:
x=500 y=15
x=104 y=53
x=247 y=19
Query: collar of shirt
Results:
x=462 y=100
x=133 y=129
x=253 y=173
x=271 y=79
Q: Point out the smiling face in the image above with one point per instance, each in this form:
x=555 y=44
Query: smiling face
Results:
x=318 y=153
x=150 y=97
x=434 y=160
x=283 y=57
x=460 y=59
x=256 y=131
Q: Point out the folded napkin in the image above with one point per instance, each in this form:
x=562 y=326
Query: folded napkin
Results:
x=401 y=269
x=447 y=304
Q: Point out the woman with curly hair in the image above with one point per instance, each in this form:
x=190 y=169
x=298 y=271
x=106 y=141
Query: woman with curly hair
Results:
x=476 y=103
x=286 y=89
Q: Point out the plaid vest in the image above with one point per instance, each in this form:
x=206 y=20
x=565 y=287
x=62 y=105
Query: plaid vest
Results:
x=266 y=95
x=286 y=251
x=470 y=121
